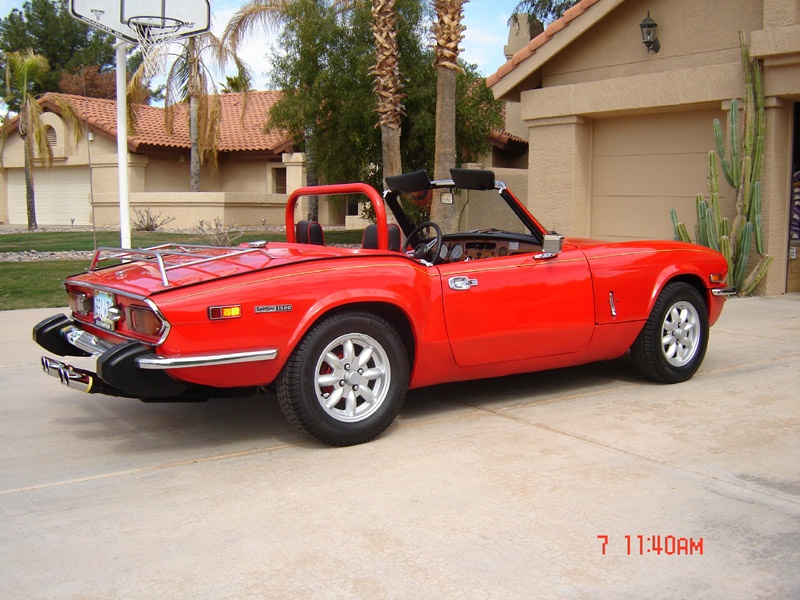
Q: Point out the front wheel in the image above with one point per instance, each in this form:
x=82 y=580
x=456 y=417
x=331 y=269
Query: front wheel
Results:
x=673 y=341
x=346 y=380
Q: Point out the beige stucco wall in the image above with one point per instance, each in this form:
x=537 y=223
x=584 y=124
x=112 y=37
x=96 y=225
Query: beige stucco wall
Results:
x=239 y=191
x=618 y=135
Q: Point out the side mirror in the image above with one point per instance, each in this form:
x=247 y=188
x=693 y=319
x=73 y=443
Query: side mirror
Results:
x=553 y=243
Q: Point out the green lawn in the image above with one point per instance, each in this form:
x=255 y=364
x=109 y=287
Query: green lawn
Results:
x=37 y=284
x=54 y=241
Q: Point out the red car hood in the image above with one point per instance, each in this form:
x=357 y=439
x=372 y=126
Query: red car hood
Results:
x=144 y=278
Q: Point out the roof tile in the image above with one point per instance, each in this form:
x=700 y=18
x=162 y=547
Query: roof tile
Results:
x=238 y=133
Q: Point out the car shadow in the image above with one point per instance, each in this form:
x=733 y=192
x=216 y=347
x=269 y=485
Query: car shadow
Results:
x=243 y=423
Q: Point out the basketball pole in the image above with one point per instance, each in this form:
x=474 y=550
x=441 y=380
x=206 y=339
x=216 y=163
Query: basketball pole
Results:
x=122 y=145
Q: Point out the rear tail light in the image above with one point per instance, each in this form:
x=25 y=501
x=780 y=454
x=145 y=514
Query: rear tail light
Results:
x=143 y=320
x=80 y=303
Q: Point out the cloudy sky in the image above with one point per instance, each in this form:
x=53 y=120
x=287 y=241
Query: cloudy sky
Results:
x=485 y=36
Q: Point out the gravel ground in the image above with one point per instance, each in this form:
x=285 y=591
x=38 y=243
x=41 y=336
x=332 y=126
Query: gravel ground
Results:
x=33 y=255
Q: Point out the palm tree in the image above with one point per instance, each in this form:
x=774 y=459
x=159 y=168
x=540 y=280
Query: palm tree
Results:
x=188 y=79
x=448 y=33
x=269 y=14
x=23 y=68
x=236 y=84
x=388 y=83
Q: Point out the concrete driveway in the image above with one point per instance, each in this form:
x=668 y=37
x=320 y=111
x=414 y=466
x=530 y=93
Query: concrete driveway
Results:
x=492 y=489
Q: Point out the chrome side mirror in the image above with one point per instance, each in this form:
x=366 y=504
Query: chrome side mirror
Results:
x=553 y=243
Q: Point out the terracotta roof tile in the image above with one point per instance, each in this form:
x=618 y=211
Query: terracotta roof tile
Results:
x=540 y=40
x=237 y=133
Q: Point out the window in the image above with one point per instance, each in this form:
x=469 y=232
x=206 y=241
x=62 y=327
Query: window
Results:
x=279 y=180
x=52 y=138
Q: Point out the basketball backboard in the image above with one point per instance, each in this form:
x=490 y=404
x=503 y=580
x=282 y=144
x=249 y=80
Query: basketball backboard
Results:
x=161 y=18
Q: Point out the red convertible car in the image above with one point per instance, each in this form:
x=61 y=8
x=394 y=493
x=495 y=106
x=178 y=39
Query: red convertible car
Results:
x=343 y=333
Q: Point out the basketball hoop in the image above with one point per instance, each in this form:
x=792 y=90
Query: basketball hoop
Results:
x=154 y=35
x=152 y=24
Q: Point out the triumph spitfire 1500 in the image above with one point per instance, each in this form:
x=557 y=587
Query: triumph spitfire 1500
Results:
x=343 y=333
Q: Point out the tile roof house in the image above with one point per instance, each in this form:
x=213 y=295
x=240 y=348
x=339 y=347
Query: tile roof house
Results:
x=618 y=135
x=257 y=169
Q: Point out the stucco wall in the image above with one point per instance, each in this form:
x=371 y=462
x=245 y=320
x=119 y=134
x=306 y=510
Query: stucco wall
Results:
x=692 y=33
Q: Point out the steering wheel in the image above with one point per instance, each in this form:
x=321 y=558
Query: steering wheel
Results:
x=425 y=249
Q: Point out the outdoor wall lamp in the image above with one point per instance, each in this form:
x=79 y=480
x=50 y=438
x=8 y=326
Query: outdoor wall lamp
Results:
x=649 y=38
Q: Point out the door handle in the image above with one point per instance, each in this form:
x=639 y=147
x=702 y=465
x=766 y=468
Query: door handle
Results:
x=461 y=283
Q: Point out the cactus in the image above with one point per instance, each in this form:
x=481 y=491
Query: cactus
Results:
x=742 y=164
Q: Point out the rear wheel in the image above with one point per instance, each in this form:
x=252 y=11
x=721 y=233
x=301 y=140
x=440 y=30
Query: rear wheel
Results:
x=673 y=341
x=346 y=380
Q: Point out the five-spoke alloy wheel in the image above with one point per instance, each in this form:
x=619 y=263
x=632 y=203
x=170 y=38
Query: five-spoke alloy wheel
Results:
x=346 y=380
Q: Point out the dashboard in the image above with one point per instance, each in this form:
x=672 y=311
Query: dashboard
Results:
x=465 y=247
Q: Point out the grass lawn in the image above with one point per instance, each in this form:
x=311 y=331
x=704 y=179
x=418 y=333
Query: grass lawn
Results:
x=55 y=241
x=37 y=284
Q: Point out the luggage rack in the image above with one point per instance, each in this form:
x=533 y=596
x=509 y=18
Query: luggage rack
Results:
x=172 y=256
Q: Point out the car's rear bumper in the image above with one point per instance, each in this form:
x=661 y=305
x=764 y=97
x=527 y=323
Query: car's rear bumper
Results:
x=128 y=368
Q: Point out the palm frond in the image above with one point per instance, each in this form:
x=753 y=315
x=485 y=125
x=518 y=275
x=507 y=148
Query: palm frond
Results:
x=256 y=14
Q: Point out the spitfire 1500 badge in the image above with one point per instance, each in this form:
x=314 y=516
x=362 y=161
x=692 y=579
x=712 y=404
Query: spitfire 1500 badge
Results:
x=274 y=308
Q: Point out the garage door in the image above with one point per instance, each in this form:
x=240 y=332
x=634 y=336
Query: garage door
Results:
x=61 y=194
x=643 y=166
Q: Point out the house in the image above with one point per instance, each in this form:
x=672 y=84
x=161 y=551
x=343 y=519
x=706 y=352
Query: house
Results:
x=619 y=134
x=257 y=169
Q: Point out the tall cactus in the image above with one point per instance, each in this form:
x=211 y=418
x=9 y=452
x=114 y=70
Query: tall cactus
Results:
x=742 y=163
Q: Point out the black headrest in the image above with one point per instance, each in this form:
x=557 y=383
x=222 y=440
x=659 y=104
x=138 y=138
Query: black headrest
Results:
x=315 y=235
x=408 y=183
x=301 y=232
x=473 y=179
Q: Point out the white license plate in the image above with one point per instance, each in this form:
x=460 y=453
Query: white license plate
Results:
x=103 y=301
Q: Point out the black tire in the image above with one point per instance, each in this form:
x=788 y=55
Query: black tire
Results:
x=668 y=358
x=322 y=394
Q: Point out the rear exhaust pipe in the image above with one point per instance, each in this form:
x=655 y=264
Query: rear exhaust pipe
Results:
x=77 y=379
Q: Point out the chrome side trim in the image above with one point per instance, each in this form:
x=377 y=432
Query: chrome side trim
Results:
x=208 y=360
x=96 y=346
x=726 y=291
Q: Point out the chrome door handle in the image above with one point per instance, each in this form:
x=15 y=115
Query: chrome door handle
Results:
x=461 y=283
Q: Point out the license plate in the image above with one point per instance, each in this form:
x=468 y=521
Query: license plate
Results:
x=103 y=301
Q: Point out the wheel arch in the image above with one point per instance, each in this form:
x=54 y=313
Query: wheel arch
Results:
x=394 y=314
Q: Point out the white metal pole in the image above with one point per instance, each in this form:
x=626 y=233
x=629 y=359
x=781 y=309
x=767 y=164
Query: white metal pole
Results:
x=122 y=146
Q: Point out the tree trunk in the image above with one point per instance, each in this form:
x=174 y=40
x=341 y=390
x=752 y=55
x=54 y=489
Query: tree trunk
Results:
x=194 y=158
x=448 y=31
x=30 y=201
x=311 y=174
x=390 y=145
x=388 y=83
x=194 y=134
x=445 y=158
x=29 y=198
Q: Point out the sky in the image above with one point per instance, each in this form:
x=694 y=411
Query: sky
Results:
x=485 y=36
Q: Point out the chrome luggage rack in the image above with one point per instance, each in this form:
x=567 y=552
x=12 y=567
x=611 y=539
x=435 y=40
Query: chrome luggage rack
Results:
x=172 y=256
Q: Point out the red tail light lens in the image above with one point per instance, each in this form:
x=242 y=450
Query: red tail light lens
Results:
x=144 y=320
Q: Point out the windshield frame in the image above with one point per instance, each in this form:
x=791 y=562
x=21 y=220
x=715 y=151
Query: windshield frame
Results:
x=391 y=200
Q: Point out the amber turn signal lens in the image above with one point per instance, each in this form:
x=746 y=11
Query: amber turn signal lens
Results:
x=224 y=312
x=716 y=278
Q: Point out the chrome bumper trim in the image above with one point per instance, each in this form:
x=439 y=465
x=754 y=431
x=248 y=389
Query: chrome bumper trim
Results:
x=96 y=346
x=726 y=291
x=85 y=341
x=185 y=362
